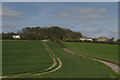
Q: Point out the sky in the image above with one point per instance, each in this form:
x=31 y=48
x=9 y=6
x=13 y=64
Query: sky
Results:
x=92 y=19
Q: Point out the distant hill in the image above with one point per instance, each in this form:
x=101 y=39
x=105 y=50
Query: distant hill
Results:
x=54 y=32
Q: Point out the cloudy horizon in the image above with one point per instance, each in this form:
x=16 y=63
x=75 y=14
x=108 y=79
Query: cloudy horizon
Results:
x=92 y=19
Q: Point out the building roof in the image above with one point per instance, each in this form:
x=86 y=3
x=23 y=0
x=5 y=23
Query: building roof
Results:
x=102 y=38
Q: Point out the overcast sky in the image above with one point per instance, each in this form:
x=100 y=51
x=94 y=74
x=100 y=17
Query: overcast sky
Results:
x=92 y=19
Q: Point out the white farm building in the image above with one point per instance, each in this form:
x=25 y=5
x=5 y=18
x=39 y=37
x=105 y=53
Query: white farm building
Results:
x=45 y=40
x=86 y=39
x=16 y=37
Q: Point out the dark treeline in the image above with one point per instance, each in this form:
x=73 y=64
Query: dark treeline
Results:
x=109 y=41
x=38 y=33
x=53 y=33
x=7 y=35
x=102 y=42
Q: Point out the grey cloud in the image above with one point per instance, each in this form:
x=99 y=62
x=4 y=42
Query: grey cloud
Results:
x=91 y=25
x=91 y=10
x=112 y=33
x=66 y=26
x=93 y=33
x=97 y=31
x=9 y=27
x=83 y=14
x=61 y=15
x=60 y=25
x=8 y=13
x=103 y=10
x=91 y=13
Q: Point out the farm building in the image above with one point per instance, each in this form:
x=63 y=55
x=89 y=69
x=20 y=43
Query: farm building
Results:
x=16 y=37
x=45 y=40
x=84 y=38
x=102 y=39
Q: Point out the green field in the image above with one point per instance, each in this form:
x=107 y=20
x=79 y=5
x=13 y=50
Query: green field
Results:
x=31 y=57
x=24 y=56
x=107 y=52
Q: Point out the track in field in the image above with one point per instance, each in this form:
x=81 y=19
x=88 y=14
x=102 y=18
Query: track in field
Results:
x=114 y=67
x=56 y=61
x=57 y=64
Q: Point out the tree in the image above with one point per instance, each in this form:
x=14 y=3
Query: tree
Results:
x=118 y=40
x=111 y=39
x=7 y=35
x=54 y=32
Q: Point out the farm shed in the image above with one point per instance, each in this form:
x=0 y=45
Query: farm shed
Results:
x=86 y=39
x=16 y=37
x=102 y=39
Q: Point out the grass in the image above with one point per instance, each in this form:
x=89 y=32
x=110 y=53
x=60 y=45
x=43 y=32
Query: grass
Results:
x=107 y=52
x=30 y=56
x=24 y=57
x=78 y=67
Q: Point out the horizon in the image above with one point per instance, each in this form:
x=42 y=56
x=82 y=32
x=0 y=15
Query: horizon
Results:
x=17 y=33
x=92 y=19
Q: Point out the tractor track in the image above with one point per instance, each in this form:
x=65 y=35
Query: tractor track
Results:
x=52 y=68
x=114 y=67
x=54 y=64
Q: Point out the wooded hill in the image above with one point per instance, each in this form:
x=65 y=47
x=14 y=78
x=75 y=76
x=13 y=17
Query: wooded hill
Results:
x=39 y=33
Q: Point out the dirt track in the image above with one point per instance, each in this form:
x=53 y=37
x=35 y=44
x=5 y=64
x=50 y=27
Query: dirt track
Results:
x=48 y=70
x=114 y=67
x=54 y=64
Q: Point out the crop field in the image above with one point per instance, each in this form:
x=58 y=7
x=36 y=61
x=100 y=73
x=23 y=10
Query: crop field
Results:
x=107 y=52
x=24 y=57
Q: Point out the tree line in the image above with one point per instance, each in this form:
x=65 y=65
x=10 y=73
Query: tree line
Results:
x=38 y=33
x=53 y=33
